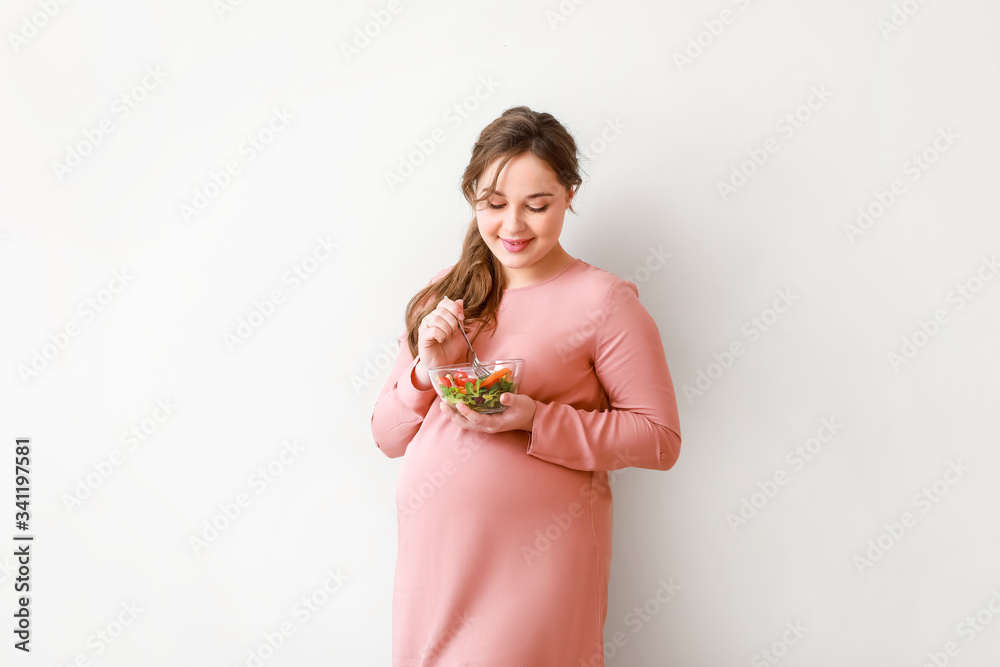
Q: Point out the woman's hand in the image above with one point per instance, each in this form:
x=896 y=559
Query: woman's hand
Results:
x=519 y=415
x=439 y=342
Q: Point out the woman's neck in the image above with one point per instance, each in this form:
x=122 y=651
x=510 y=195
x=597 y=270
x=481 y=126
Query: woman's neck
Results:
x=555 y=262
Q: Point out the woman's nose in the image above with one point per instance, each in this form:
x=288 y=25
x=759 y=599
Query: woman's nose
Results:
x=512 y=220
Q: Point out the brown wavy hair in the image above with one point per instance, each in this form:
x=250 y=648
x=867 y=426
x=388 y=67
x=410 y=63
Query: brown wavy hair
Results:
x=477 y=277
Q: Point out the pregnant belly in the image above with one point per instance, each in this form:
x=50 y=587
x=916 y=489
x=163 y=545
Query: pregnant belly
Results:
x=478 y=478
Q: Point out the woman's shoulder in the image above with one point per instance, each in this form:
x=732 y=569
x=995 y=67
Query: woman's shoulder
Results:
x=602 y=284
x=596 y=274
x=440 y=274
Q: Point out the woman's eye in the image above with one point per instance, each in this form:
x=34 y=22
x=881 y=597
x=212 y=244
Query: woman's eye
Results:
x=533 y=210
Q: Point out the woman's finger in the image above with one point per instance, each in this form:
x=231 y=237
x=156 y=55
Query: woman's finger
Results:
x=443 y=318
x=446 y=321
x=451 y=308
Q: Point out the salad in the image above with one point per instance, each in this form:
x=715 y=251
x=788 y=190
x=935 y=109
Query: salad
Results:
x=481 y=395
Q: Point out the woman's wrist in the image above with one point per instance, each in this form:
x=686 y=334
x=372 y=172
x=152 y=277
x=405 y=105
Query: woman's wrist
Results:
x=419 y=376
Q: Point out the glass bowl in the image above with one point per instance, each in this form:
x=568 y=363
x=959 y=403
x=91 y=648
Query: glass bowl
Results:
x=459 y=384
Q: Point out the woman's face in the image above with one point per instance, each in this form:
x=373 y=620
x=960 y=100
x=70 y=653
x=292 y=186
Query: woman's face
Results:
x=529 y=206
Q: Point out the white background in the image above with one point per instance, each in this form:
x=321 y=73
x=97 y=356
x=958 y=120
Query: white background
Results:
x=310 y=372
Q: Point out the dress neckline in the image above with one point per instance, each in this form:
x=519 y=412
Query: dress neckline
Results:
x=547 y=280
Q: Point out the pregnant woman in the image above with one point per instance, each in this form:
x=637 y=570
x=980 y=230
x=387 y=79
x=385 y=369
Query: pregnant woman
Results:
x=505 y=519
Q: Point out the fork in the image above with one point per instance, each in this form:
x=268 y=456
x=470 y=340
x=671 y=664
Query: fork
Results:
x=477 y=368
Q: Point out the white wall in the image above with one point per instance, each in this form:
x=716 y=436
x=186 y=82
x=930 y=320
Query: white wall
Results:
x=677 y=130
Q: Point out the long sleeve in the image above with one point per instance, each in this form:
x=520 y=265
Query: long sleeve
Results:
x=642 y=428
x=400 y=407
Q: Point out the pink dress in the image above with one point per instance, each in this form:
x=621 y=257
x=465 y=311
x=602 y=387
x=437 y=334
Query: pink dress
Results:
x=504 y=544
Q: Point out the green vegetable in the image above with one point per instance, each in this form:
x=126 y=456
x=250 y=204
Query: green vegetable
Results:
x=476 y=396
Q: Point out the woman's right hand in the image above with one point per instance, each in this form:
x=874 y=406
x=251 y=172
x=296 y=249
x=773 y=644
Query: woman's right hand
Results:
x=439 y=342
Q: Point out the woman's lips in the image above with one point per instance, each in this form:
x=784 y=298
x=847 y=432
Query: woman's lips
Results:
x=515 y=247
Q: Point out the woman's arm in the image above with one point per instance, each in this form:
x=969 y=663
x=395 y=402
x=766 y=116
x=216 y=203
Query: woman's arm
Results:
x=404 y=400
x=401 y=405
x=642 y=428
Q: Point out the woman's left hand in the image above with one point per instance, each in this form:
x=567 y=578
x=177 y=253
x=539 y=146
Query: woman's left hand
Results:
x=519 y=415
